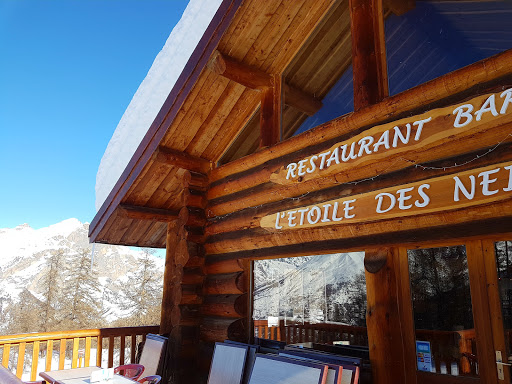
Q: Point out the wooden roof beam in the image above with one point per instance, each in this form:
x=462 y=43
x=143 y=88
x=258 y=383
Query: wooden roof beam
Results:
x=256 y=79
x=153 y=214
x=368 y=53
x=182 y=160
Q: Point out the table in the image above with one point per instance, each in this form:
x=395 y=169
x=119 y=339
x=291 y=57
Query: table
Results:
x=79 y=376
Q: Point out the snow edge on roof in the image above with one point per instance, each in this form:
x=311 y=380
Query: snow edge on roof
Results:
x=152 y=93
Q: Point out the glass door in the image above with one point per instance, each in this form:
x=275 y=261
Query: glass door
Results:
x=498 y=255
x=451 y=313
x=442 y=307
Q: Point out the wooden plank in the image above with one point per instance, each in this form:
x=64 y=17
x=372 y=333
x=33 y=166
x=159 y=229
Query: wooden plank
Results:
x=481 y=314
x=493 y=297
x=401 y=265
x=368 y=53
x=133 y=348
x=111 y=351
x=147 y=213
x=214 y=123
x=62 y=353
x=5 y=355
x=35 y=361
x=270 y=114
x=99 y=351
x=49 y=355
x=74 y=356
x=383 y=323
x=21 y=359
x=122 y=350
x=87 y=357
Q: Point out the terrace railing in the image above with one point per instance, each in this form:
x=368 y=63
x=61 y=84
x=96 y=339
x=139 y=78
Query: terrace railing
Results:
x=71 y=349
x=447 y=346
x=318 y=333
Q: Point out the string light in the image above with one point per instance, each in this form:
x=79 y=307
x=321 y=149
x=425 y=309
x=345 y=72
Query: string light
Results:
x=384 y=172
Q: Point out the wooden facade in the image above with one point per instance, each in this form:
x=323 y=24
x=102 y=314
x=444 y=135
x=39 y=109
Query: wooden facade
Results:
x=221 y=180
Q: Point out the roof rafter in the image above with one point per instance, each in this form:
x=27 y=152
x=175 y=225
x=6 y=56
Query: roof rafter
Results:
x=256 y=79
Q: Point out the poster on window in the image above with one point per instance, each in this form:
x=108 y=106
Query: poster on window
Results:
x=424 y=356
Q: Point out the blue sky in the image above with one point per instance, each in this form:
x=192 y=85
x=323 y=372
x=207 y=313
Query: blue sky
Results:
x=68 y=70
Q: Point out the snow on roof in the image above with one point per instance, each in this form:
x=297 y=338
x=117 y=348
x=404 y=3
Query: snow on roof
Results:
x=152 y=93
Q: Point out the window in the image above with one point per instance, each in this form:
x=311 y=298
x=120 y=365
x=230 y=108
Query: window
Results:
x=311 y=299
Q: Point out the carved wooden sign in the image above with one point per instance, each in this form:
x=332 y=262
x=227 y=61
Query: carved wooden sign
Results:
x=465 y=189
x=419 y=138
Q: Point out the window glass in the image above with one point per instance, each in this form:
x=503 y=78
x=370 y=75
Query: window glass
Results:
x=438 y=37
x=503 y=251
x=432 y=39
x=311 y=299
x=443 y=317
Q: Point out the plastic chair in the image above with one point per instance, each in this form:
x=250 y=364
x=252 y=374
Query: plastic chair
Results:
x=154 y=379
x=131 y=371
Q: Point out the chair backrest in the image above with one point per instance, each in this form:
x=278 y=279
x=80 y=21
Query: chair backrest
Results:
x=152 y=354
x=153 y=379
x=131 y=371
x=7 y=377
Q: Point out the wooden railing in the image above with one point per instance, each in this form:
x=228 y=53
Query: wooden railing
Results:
x=447 y=346
x=74 y=346
x=317 y=333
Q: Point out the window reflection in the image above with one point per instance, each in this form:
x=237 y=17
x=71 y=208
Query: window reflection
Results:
x=311 y=299
x=442 y=309
x=503 y=250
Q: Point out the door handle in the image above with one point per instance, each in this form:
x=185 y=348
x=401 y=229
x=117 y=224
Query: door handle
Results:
x=501 y=363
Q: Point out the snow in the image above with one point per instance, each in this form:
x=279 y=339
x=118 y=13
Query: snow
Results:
x=152 y=93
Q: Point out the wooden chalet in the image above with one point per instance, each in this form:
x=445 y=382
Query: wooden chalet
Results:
x=309 y=127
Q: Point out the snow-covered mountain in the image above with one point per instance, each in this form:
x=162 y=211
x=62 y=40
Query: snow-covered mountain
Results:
x=25 y=253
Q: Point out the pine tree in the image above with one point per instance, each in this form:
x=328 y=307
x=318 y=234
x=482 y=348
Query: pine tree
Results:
x=143 y=299
x=51 y=282
x=81 y=294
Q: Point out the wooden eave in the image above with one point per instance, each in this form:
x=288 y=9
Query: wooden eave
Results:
x=206 y=114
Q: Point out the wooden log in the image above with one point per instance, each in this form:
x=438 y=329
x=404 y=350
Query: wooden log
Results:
x=225 y=306
x=481 y=136
x=181 y=255
x=169 y=272
x=383 y=324
x=215 y=265
x=454 y=86
x=194 y=277
x=368 y=53
x=217 y=329
x=256 y=79
x=225 y=284
x=255 y=241
x=191 y=299
x=270 y=114
x=232 y=69
x=182 y=160
x=250 y=218
x=198 y=181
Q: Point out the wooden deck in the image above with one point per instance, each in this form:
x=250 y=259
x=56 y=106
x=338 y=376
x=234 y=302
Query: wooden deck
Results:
x=71 y=347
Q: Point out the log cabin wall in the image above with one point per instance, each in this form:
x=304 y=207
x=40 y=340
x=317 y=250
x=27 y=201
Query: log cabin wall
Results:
x=201 y=187
x=245 y=191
